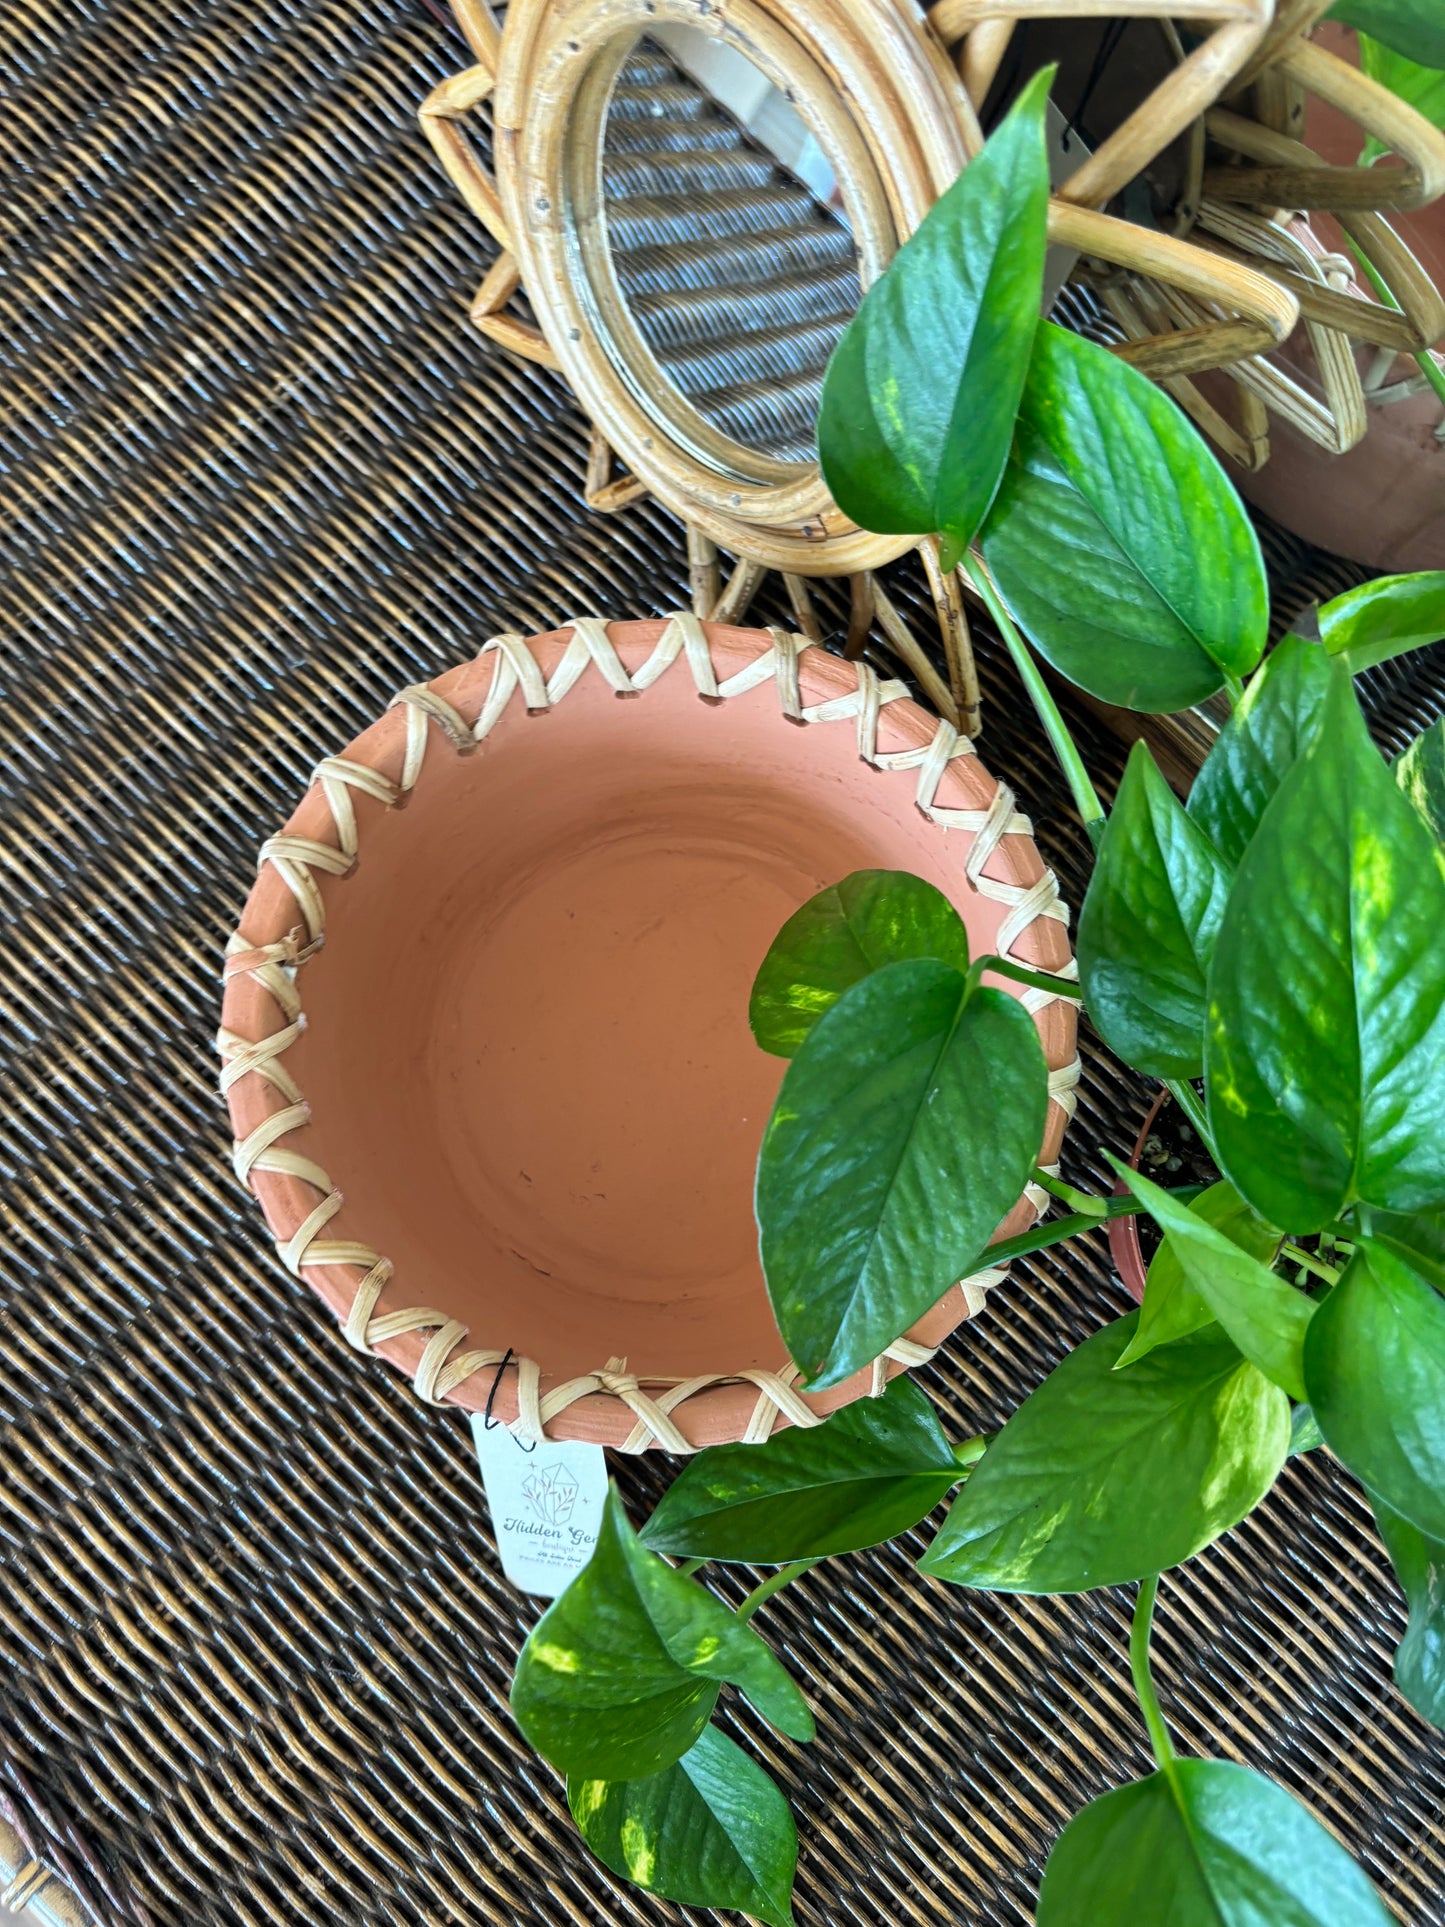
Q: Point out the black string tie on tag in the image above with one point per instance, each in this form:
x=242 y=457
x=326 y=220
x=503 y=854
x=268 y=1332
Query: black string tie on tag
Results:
x=490 y=1424
x=487 y=1420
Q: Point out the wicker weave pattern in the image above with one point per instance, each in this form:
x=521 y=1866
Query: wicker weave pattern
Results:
x=254 y=1639
x=749 y=349
x=447 y=1363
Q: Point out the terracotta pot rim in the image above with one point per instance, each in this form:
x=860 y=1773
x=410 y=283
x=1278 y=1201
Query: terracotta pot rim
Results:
x=283 y=925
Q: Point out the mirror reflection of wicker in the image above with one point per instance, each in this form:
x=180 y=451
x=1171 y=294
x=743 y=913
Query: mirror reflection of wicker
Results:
x=740 y=281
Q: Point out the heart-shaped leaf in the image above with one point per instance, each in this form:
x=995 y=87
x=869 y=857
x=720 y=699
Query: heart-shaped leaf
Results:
x=1116 y=539
x=712 y=1830
x=1384 y=618
x=1412 y=27
x=1375 y=1366
x=904 y=1132
x=1419 y=1563
x=1420 y=772
x=861 y=1477
x=1260 y=743
x=621 y=1674
x=920 y=395
x=1265 y=1316
x=1207 y=1844
x=1326 y=1043
x=841 y=936
x=1172 y=1307
x=1104 y=1476
x=1147 y=930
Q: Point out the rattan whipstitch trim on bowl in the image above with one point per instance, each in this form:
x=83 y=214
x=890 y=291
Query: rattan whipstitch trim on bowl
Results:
x=445 y=1360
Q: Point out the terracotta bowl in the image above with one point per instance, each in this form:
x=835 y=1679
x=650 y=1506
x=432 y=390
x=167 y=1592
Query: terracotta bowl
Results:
x=510 y=1138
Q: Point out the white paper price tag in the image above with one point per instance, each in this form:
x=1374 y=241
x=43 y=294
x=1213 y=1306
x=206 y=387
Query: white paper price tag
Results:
x=546 y=1501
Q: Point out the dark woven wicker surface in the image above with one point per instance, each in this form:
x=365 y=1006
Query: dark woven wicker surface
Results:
x=739 y=280
x=254 y=1641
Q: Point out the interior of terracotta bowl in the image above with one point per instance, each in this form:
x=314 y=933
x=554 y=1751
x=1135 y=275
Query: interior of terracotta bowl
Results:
x=526 y=1048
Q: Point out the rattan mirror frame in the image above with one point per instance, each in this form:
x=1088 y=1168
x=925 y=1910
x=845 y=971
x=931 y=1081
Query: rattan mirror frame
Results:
x=896 y=124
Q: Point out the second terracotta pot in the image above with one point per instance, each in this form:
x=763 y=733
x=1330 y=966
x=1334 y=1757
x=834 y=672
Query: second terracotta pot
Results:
x=1124 y=1246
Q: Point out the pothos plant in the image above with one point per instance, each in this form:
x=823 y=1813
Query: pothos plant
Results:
x=1273 y=950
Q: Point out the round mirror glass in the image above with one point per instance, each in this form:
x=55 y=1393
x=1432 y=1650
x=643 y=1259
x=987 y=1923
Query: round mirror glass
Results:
x=727 y=246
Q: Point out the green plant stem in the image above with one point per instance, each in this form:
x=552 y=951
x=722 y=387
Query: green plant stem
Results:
x=1021 y=974
x=784 y=1576
x=1234 y=689
x=1079 y=1201
x=1307 y=1262
x=1144 y=1679
x=970 y=1451
x=1058 y=1230
x=1429 y=367
x=1086 y=799
x=1187 y=1098
x=689 y=1567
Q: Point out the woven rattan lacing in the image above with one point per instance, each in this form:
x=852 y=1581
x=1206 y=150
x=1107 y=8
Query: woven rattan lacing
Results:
x=258 y=474
x=447 y=1362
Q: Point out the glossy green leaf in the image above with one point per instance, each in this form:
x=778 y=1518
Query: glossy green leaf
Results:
x=622 y=1672
x=841 y=936
x=1260 y=744
x=1416 y=1237
x=1172 y=1307
x=1422 y=88
x=920 y=395
x=904 y=1132
x=712 y=1830
x=863 y=1476
x=1384 y=618
x=1419 y=1563
x=1116 y=539
x=1147 y=930
x=1375 y=1367
x=1265 y=1316
x=1420 y=772
x=1207 y=1844
x=1412 y=27
x=1104 y=1476
x=1326 y=1043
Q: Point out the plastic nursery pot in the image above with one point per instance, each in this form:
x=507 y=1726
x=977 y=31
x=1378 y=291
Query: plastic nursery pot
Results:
x=485 y=1031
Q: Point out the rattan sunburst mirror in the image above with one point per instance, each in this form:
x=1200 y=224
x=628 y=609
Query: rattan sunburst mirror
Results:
x=692 y=199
